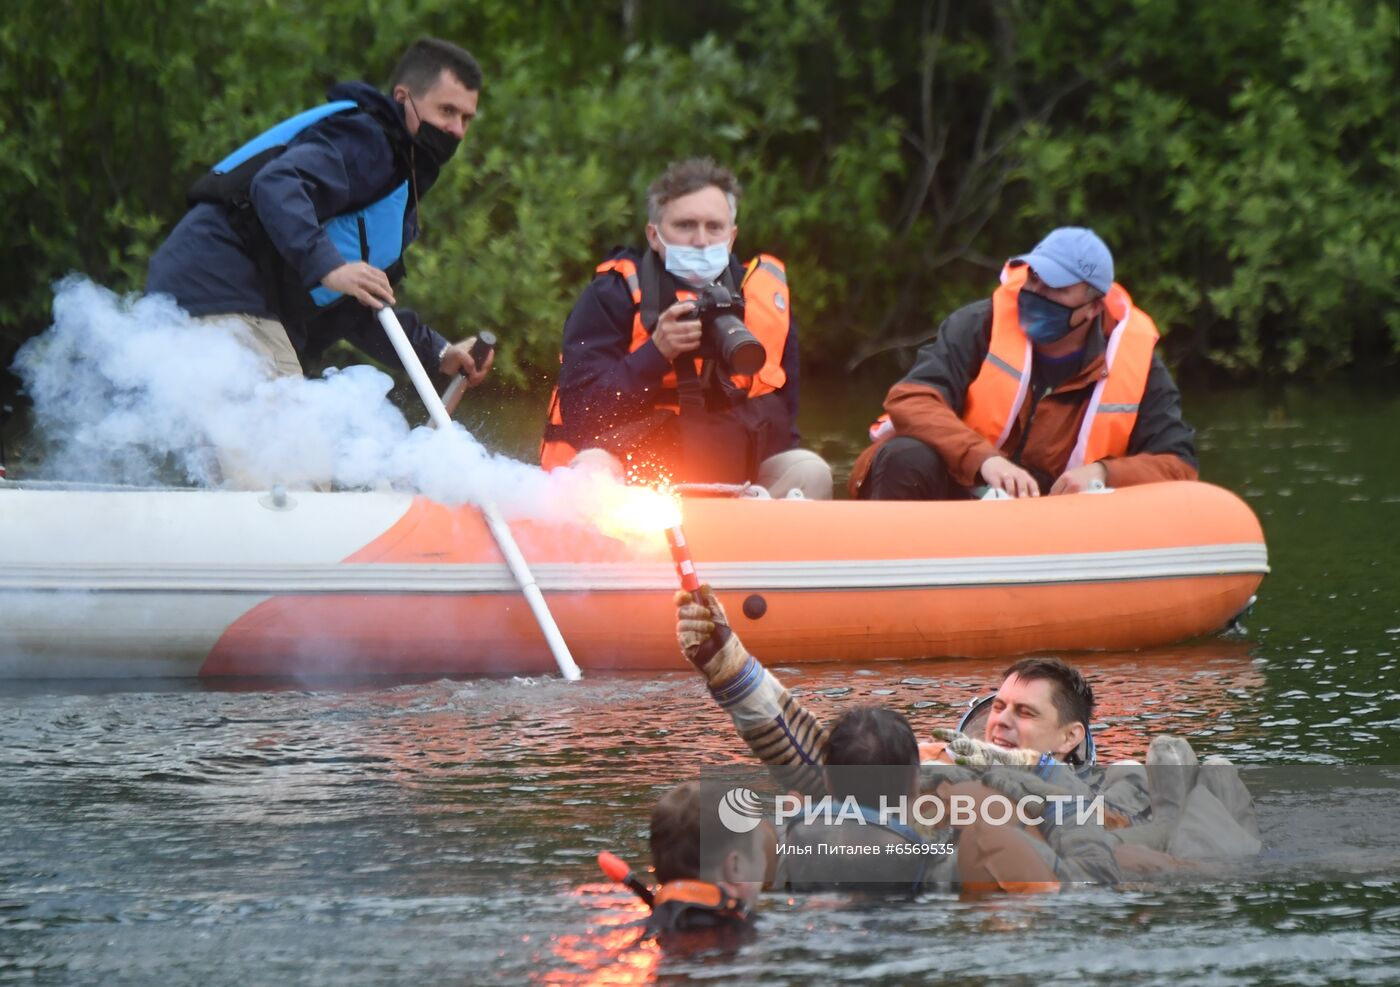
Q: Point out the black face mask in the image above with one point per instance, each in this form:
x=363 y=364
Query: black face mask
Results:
x=435 y=144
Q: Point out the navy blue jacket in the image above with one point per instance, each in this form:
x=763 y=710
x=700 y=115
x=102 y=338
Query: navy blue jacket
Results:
x=337 y=165
x=601 y=383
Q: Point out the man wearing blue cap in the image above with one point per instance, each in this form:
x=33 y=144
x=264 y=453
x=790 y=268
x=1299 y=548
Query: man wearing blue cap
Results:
x=1050 y=385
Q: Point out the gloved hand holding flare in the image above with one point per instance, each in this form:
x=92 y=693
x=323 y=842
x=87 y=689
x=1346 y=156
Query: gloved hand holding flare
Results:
x=702 y=626
x=705 y=637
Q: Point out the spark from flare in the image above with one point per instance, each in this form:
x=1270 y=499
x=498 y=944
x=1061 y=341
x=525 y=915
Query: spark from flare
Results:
x=637 y=513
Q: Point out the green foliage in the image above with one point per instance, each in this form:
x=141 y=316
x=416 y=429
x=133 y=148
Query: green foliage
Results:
x=1240 y=158
x=527 y=216
x=1263 y=219
x=1304 y=202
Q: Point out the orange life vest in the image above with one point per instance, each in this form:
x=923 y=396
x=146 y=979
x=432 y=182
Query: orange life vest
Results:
x=995 y=397
x=766 y=314
x=686 y=905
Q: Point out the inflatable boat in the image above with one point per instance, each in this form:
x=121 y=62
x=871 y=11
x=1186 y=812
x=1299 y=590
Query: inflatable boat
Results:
x=141 y=582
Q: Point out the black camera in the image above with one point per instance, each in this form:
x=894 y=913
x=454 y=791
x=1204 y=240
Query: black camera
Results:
x=721 y=315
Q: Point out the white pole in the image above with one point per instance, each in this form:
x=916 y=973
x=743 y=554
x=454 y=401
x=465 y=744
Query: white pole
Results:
x=505 y=541
x=414 y=366
x=453 y=392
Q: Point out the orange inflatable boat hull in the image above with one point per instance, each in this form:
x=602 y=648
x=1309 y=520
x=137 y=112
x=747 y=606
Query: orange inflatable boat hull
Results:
x=801 y=581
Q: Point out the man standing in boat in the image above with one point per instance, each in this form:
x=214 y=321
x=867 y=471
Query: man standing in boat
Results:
x=1050 y=386
x=299 y=235
x=681 y=361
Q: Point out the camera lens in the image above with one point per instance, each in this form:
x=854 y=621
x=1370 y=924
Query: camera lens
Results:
x=741 y=352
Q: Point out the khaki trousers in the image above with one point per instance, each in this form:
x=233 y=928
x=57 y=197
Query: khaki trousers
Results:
x=266 y=337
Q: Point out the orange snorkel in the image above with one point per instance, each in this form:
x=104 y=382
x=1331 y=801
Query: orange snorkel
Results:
x=616 y=868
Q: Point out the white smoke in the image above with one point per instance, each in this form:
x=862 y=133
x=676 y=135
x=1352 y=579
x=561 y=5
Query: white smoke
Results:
x=132 y=390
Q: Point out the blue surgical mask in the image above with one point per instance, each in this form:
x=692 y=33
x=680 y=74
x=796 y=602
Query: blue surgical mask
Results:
x=696 y=265
x=1043 y=320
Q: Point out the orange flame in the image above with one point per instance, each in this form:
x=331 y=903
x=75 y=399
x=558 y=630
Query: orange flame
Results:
x=638 y=513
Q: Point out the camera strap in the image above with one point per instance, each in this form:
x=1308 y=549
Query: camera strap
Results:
x=690 y=393
x=658 y=290
x=658 y=294
x=650 y=277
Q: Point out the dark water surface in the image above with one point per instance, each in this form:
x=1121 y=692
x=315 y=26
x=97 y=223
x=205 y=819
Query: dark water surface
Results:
x=444 y=832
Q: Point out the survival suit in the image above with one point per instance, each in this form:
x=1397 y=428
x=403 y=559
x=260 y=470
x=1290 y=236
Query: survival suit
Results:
x=806 y=864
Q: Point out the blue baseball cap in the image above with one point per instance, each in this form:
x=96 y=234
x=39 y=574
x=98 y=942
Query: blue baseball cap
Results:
x=1069 y=255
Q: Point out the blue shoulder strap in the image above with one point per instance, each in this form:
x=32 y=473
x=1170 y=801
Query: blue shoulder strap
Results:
x=871 y=816
x=282 y=133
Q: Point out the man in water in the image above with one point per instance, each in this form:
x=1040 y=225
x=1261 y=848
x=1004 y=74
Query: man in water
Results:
x=1035 y=740
x=702 y=887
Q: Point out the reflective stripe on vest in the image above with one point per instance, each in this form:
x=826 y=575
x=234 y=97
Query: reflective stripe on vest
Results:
x=995 y=397
x=766 y=314
x=1113 y=407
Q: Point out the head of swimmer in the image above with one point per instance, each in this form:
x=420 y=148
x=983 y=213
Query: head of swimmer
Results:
x=737 y=862
x=1043 y=705
x=871 y=753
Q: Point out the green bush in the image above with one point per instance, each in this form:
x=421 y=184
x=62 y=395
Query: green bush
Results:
x=1240 y=158
x=1245 y=173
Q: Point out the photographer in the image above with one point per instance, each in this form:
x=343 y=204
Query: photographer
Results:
x=681 y=362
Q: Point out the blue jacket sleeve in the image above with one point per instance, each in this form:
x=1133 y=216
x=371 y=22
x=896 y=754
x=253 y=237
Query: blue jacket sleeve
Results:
x=338 y=165
x=600 y=383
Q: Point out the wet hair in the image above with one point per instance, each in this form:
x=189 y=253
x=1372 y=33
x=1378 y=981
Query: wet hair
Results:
x=1072 y=695
x=681 y=178
x=421 y=65
x=876 y=738
x=675 y=835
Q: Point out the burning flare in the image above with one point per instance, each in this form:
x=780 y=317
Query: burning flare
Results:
x=637 y=513
x=640 y=514
x=680 y=553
